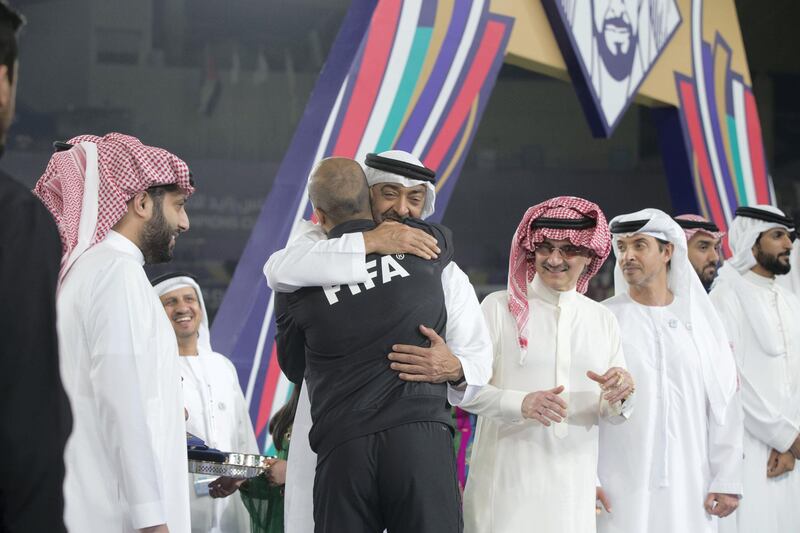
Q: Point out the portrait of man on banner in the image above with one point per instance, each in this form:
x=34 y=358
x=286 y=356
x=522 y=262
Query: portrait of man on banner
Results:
x=617 y=42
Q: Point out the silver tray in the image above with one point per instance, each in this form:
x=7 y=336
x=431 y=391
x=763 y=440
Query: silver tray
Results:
x=237 y=465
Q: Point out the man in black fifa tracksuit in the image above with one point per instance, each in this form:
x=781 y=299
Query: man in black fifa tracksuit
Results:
x=384 y=445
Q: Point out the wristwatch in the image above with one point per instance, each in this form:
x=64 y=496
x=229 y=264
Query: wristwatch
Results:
x=458 y=382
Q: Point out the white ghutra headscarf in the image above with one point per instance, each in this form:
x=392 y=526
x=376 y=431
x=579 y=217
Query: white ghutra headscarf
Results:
x=179 y=280
x=397 y=166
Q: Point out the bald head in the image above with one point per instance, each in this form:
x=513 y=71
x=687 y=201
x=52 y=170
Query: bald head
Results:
x=338 y=188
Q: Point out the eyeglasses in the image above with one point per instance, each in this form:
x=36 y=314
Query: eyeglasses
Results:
x=568 y=251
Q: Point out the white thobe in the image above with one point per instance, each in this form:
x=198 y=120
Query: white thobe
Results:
x=126 y=459
x=218 y=415
x=523 y=475
x=658 y=469
x=770 y=383
x=313 y=260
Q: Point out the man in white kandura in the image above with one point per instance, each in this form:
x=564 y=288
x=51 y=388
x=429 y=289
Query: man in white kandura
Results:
x=400 y=187
x=762 y=320
x=119 y=204
x=558 y=369
x=677 y=464
x=212 y=396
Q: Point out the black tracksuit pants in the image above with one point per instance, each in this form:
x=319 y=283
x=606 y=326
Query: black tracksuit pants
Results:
x=402 y=479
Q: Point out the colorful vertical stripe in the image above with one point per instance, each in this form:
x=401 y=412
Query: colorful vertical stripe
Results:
x=722 y=132
x=370 y=75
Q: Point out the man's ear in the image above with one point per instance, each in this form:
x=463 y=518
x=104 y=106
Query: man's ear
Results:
x=586 y=264
x=322 y=218
x=141 y=205
x=669 y=248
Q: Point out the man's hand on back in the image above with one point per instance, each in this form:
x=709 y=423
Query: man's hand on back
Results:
x=779 y=463
x=436 y=364
x=392 y=237
x=721 y=505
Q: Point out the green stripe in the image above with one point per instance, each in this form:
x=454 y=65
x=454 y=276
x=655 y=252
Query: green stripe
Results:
x=272 y=451
x=416 y=58
x=737 y=162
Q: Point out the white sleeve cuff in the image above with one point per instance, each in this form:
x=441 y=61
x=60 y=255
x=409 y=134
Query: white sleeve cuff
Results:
x=511 y=405
x=456 y=397
x=147 y=515
x=783 y=438
x=722 y=487
x=472 y=374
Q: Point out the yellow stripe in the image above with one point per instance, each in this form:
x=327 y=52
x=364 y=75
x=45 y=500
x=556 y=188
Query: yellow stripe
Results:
x=444 y=14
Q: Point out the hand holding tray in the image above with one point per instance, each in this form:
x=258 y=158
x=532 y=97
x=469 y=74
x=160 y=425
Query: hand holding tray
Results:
x=213 y=462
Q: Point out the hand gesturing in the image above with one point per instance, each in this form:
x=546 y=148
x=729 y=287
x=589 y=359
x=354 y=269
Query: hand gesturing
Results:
x=617 y=383
x=545 y=406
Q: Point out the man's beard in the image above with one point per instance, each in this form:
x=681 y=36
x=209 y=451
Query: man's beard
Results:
x=772 y=263
x=619 y=64
x=707 y=279
x=156 y=237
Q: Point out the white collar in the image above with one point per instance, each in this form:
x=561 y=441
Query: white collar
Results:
x=758 y=279
x=539 y=290
x=123 y=244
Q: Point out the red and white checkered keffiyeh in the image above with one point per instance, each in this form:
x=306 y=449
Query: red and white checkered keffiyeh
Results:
x=691 y=232
x=521 y=270
x=125 y=167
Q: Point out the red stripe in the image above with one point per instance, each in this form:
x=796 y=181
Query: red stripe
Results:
x=756 y=148
x=268 y=392
x=688 y=102
x=484 y=58
x=373 y=64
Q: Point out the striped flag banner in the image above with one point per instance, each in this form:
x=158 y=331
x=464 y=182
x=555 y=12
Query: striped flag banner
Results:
x=721 y=131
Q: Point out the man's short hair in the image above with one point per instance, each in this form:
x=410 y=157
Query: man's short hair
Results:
x=339 y=188
x=10 y=23
x=157 y=192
